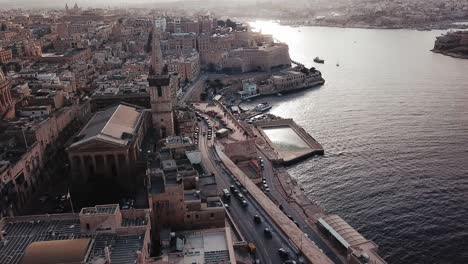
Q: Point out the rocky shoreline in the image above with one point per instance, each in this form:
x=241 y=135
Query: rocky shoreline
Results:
x=450 y=54
x=453 y=44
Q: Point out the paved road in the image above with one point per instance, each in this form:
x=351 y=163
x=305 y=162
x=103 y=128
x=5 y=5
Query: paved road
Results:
x=196 y=85
x=305 y=226
x=267 y=248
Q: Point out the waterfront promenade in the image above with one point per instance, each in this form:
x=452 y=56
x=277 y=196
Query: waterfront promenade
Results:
x=296 y=235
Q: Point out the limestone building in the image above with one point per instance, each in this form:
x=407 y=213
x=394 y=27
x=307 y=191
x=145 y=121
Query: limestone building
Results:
x=107 y=149
x=6 y=100
x=180 y=195
x=163 y=88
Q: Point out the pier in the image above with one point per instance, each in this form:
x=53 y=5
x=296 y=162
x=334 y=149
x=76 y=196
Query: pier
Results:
x=303 y=144
x=297 y=63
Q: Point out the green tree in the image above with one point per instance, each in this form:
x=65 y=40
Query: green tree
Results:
x=221 y=23
x=230 y=23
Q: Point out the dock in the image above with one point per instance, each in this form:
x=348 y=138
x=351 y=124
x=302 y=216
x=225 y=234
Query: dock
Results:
x=283 y=156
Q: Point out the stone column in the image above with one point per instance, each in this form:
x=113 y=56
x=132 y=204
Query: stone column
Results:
x=84 y=172
x=94 y=164
x=106 y=168
x=117 y=165
x=127 y=162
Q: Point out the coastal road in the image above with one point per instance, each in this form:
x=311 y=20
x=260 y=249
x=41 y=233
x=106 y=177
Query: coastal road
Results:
x=289 y=210
x=268 y=174
x=198 y=84
x=267 y=248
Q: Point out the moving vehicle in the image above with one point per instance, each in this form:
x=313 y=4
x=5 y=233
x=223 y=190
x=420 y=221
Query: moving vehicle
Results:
x=267 y=232
x=257 y=219
x=252 y=248
x=226 y=194
x=283 y=253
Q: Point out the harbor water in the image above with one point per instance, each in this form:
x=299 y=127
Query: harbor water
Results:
x=393 y=120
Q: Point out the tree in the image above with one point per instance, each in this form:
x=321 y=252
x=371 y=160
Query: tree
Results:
x=230 y=23
x=221 y=23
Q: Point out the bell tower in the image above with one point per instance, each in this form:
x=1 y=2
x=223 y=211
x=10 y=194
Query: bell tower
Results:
x=163 y=88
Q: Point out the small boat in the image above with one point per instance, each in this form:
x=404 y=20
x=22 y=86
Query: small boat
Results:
x=263 y=107
x=279 y=94
x=318 y=60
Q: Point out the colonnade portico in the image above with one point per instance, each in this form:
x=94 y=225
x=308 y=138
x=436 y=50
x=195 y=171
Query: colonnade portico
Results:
x=110 y=164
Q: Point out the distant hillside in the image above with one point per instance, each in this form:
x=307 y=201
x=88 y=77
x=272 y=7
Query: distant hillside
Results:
x=453 y=44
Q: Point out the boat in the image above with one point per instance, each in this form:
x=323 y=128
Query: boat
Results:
x=318 y=60
x=279 y=94
x=263 y=107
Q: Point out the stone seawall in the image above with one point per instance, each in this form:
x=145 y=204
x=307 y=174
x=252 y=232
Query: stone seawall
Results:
x=279 y=157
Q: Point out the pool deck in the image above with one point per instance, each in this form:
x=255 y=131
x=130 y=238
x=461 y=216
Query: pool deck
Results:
x=290 y=156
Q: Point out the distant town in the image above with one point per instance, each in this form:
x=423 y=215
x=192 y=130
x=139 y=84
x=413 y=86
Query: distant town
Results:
x=123 y=140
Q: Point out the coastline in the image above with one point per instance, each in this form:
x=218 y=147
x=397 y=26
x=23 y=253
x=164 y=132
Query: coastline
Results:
x=421 y=28
x=450 y=54
x=314 y=85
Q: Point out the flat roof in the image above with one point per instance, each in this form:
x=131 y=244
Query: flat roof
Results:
x=100 y=209
x=19 y=234
x=206 y=247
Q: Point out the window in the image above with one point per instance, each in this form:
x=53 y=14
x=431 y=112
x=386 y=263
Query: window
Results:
x=159 y=91
x=196 y=216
